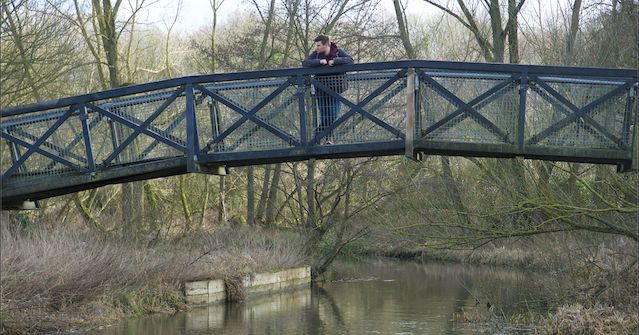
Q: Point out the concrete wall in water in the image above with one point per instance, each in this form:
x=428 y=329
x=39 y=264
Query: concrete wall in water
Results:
x=213 y=291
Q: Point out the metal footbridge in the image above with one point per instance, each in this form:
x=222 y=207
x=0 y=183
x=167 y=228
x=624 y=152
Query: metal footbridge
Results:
x=211 y=122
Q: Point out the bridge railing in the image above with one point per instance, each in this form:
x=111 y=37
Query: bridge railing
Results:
x=197 y=116
x=480 y=109
x=529 y=113
x=278 y=114
x=88 y=136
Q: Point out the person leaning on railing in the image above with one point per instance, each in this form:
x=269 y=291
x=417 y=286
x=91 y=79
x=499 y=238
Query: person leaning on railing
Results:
x=328 y=54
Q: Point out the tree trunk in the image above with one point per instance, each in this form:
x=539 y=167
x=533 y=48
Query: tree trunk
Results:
x=95 y=49
x=261 y=205
x=497 y=31
x=513 y=39
x=269 y=216
x=205 y=201
x=268 y=25
x=26 y=64
x=298 y=191
x=287 y=44
x=403 y=30
x=215 y=6
x=188 y=219
x=338 y=244
x=132 y=201
x=86 y=214
x=572 y=33
x=106 y=15
x=212 y=40
x=453 y=192
x=571 y=184
x=221 y=213
x=544 y=173
x=310 y=195
x=250 y=195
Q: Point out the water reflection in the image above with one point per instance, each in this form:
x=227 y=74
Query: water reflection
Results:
x=372 y=297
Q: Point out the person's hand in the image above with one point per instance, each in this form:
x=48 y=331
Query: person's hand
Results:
x=323 y=62
x=330 y=62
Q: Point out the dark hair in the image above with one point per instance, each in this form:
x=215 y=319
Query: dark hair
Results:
x=322 y=38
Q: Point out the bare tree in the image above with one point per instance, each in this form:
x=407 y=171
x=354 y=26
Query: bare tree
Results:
x=491 y=45
x=447 y=173
x=36 y=49
x=104 y=48
x=402 y=22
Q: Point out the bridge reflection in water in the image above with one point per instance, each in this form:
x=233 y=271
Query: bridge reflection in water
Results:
x=212 y=122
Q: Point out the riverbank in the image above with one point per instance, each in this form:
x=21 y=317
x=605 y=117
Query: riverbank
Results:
x=59 y=280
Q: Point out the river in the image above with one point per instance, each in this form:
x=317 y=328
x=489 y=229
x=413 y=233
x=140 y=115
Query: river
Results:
x=374 y=296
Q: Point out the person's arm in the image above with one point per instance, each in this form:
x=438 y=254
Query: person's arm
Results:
x=342 y=58
x=312 y=60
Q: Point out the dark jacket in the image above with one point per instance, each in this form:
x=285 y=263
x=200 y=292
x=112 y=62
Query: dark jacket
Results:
x=335 y=81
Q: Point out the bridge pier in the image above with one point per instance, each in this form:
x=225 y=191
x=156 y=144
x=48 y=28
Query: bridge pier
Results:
x=221 y=170
x=21 y=205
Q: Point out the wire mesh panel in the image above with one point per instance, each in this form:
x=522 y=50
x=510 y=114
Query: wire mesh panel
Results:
x=249 y=115
x=132 y=129
x=468 y=107
x=553 y=114
x=377 y=109
x=140 y=128
x=58 y=151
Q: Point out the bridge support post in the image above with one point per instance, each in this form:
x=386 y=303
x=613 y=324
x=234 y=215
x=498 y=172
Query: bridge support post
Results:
x=15 y=155
x=301 y=89
x=410 y=115
x=633 y=165
x=521 y=121
x=635 y=132
x=192 y=145
x=632 y=122
x=86 y=133
x=115 y=137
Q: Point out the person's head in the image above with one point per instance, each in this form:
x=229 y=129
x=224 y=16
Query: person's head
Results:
x=322 y=44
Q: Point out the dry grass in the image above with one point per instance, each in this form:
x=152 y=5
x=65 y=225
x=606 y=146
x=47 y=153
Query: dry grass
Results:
x=578 y=320
x=251 y=251
x=50 y=278
x=572 y=319
x=234 y=288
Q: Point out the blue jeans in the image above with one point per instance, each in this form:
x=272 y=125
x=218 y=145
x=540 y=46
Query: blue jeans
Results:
x=329 y=109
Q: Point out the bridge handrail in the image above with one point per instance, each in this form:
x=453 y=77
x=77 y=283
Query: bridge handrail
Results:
x=586 y=72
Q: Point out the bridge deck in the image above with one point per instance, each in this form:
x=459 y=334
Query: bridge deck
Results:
x=207 y=123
